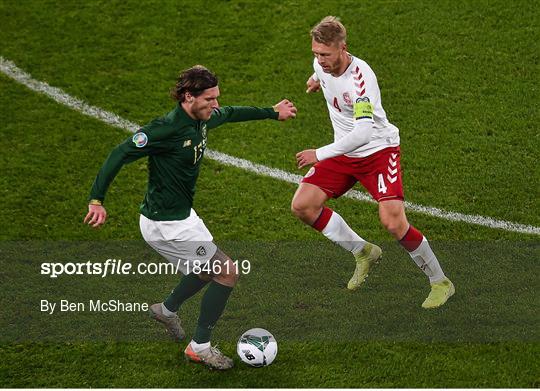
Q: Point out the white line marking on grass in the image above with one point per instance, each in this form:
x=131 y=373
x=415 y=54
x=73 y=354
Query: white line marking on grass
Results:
x=10 y=69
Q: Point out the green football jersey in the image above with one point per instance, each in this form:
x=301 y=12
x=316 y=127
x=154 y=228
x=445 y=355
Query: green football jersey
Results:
x=175 y=146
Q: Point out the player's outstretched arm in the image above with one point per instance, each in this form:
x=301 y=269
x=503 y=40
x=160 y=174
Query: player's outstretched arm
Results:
x=285 y=109
x=280 y=111
x=96 y=216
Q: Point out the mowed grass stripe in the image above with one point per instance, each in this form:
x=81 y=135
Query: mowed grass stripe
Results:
x=11 y=70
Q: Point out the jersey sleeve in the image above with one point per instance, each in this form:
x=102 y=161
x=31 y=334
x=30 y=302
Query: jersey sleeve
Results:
x=360 y=135
x=152 y=139
x=240 y=113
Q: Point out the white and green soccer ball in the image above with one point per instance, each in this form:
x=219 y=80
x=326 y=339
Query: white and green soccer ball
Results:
x=257 y=347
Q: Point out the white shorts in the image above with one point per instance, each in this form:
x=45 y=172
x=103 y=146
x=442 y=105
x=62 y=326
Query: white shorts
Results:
x=181 y=242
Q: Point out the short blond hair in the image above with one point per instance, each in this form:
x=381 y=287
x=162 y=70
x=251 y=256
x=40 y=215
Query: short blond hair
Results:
x=329 y=31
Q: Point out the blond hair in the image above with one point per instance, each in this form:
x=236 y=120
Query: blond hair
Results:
x=329 y=31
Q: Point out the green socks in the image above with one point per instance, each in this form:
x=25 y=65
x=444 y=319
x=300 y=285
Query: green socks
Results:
x=212 y=306
x=188 y=286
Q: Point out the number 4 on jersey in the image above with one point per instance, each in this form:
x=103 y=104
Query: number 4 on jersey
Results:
x=380 y=184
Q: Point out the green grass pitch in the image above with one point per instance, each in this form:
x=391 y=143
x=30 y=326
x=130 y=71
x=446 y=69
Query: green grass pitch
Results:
x=460 y=80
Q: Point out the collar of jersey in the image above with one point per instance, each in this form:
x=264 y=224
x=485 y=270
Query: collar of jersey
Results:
x=348 y=70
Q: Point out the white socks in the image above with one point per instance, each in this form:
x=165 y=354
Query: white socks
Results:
x=166 y=312
x=199 y=347
x=339 y=232
x=426 y=260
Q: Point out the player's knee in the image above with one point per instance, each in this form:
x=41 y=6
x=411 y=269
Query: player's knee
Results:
x=228 y=277
x=393 y=225
x=226 y=271
x=301 y=209
x=296 y=207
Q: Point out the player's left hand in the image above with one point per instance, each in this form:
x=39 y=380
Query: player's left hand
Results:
x=286 y=110
x=306 y=158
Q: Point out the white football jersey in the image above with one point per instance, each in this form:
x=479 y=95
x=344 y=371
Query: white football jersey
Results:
x=357 y=83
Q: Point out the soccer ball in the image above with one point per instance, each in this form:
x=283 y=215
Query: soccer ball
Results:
x=257 y=347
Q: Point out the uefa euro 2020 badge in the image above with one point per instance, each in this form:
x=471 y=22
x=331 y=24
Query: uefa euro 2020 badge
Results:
x=140 y=139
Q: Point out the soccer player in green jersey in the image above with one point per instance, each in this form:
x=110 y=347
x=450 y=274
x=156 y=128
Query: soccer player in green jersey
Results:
x=175 y=145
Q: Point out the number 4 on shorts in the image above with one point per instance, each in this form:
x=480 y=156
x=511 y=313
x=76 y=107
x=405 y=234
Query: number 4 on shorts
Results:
x=380 y=184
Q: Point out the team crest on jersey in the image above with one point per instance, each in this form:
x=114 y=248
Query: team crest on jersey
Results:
x=140 y=139
x=347 y=98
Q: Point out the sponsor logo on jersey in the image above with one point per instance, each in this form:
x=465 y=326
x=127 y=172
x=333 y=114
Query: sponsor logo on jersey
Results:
x=347 y=98
x=310 y=172
x=140 y=139
x=187 y=143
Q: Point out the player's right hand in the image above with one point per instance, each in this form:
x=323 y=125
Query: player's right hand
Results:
x=96 y=216
x=312 y=85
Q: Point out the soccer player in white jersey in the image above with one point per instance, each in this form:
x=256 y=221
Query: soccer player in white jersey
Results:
x=365 y=149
